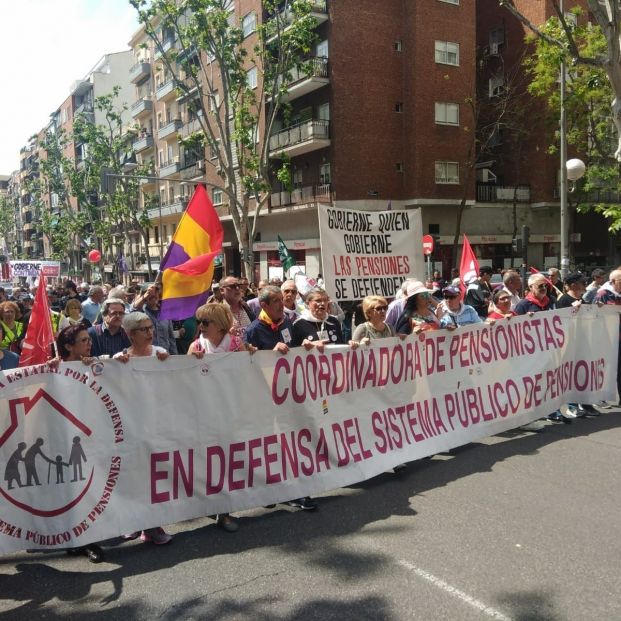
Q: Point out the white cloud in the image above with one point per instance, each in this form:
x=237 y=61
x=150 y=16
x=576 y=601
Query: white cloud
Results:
x=45 y=46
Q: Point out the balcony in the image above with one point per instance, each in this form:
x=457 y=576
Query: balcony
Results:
x=142 y=107
x=308 y=78
x=143 y=143
x=167 y=45
x=140 y=71
x=166 y=91
x=191 y=171
x=191 y=127
x=87 y=110
x=299 y=196
x=300 y=139
x=168 y=131
x=502 y=193
x=169 y=209
x=319 y=12
x=170 y=168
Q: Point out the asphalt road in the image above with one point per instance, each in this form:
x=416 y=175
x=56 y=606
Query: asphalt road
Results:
x=518 y=526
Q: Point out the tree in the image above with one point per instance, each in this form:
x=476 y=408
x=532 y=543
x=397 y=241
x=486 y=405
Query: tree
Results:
x=74 y=212
x=590 y=130
x=235 y=88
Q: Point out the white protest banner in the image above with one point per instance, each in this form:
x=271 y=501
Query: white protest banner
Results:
x=32 y=268
x=89 y=453
x=369 y=252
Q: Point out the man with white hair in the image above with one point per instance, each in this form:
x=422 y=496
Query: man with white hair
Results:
x=92 y=305
x=289 y=296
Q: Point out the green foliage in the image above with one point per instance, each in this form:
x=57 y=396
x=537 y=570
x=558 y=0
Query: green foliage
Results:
x=590 y=129
x=212 y=55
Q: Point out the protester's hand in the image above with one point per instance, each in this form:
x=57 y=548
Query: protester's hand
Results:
x=508 y=316
x=198 y=354
x=365 y=341
x=251 y=348
x=353 y=344
x=181 y=332
x=490 y=322
x=402 y=336
x=88 y=360
x=577 y=304
x=53 y=363
x=282 y=348
x=530 y=313
x=162 y=355
x=451 y=327
x=417 y=329
x=122 y=357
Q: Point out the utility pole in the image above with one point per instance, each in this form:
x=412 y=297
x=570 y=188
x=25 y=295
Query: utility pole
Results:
x=563 y=173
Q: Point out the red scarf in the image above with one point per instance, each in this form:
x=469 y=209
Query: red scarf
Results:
x=542 y=304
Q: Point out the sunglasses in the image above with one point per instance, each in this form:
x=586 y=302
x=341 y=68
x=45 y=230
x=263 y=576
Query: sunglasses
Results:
x=542 y=286
x=381 y=309
x=204 y=322
x=504 y=299
x=290 y=291
x=144 y=329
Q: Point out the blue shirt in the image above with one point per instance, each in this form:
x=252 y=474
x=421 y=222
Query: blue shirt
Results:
x=9 y=360
x=90 y=310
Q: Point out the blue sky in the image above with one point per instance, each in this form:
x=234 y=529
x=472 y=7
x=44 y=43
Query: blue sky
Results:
x=45 y=45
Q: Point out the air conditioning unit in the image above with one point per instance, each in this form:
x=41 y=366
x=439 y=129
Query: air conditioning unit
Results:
x=493 y=49
x=486 y=176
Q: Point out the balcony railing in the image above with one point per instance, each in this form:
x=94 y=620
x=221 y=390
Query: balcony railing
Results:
x=141 y=107
x=502 y=193
x=167 y=44
x=313 y=74
x=169 y=168
x=170 y=129
x=597 y=195
x=166 y=91
x=196 y=169
x=169 y=209
x=303 y=195
x=140 y=71
x=319 y=11
x=144 y=142
x=301 y=138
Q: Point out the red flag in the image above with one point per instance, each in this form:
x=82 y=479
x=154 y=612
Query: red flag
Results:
x=468 y=266
x=40 y=335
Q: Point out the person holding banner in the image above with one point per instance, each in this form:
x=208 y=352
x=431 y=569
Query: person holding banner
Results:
x=12 y=329
x=501 y=305
x=537 y=298
x=8 y=359
x=418 y=315
x=374 y=308
x=454 y=313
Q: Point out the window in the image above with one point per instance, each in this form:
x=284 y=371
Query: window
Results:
x=497 y=36
x=399 y=167
x=213 y=150
x=214 y=101
x=447 y=53
x=249 y=24
x=321 y=49
x=156 y=235
x=399 y=106
x=447 y=172
x=497 y=84
x=217 y=196
x=324 y=174
x=450 y=1
x=447 y=113
x=251 y=77
x=398 y=46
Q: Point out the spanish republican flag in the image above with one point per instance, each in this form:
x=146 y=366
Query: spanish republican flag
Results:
x=187 y=268
x=40 y=335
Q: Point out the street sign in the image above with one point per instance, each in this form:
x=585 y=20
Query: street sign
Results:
x=427 y=244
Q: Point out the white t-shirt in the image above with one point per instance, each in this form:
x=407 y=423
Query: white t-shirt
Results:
x=155 y=349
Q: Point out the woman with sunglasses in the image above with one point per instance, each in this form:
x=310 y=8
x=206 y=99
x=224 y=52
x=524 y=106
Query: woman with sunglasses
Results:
x=215 y=322
x=417 y=315
x=501 y=308
x=374 y=308
x=139 y=328
x=537 y=298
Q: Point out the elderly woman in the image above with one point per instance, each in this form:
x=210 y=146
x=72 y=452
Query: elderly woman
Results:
x=73 y=315
x=12 y=329
x=454 y=313
x=374 y=308
x=214 y=323
x=315 y=325
x=501 y=309
x=74 y=345
x=8 y=359
x=417 y=315
x=139 y=328
x=537 y=298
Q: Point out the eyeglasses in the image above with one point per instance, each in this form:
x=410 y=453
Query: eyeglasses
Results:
x=144 y=329
x=504 y=299
x=541 y=286
x=204 y=322
x=290 y=291
x=381 y=309
x=320 y=302
x=235 y=286
x=116 y=313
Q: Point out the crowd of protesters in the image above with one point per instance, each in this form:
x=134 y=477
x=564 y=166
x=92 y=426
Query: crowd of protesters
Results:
x=93 y=321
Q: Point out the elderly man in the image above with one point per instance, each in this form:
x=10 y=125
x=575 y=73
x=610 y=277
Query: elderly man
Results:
x=512 y=284
x=92 y=305
x=253 y=303
x=108 y=337
x=610 y=293
x=273 y=330
x=289 y=296
x=148 y=301
x=537 y=298
x=232 y=294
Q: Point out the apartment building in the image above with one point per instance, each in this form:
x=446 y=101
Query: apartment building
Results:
x=518 y=165
x=376 y=118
